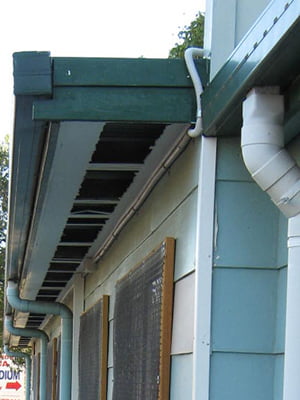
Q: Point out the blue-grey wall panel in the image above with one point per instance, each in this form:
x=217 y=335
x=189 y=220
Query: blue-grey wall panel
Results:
x=244 y=310
x=282 y=240
x=247 y=226
x=281 y=308
x=181 y=377
x=242 y=376
x=278 y=377
x=230 y=165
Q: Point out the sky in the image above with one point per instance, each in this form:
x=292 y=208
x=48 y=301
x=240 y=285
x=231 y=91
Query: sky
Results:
x=114 y=28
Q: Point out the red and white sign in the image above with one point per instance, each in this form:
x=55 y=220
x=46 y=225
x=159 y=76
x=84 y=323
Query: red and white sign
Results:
x=12 y=381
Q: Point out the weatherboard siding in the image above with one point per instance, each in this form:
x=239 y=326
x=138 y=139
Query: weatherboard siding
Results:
x=181 y=377
x=249 y=285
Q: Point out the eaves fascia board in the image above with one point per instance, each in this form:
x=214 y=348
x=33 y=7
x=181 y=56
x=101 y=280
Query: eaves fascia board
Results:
x=113 y=89
x=25 y=159
x=107 y=89
x=32 y=80
x=125 y=72
x=268 y=55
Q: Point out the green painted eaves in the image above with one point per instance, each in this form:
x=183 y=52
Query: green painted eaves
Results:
x=110 y=89
x=269 y=55
x=128 y=72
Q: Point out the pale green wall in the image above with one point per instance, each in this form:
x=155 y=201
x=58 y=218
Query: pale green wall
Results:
x=170 y=210
x=249 y=284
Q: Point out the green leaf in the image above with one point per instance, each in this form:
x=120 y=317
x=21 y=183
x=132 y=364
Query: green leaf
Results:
x=190 y=36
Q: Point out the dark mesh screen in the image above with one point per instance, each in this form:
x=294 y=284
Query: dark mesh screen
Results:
x=137 y=330
x=90 y=353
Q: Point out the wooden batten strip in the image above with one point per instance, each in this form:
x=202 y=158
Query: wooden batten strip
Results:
x=166 y=319
x=54 y=369
x=104 y=347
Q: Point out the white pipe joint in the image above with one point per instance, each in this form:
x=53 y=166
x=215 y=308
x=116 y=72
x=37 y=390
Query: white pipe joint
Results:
x=270 y=165
x=189 y=55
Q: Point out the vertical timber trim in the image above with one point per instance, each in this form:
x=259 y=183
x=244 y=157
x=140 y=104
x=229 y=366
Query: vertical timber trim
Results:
x=104 y=348
x=38 y=381
x=166 y=319
x=54 y=369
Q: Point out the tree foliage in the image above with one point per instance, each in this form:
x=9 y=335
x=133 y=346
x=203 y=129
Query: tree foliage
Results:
x=4 y=175
x=190 y=36
x=3 y=221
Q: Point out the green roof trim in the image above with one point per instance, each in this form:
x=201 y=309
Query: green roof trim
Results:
x=128 y=72
x=131 y=104
x=268 y=55
x=32 y=73
x=108 y=89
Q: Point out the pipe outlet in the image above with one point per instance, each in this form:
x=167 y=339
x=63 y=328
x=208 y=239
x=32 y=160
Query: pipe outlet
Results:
x=268 y=162
x=189 y=55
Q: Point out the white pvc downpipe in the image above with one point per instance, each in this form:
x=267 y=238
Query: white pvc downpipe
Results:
x=277 y=173
x=203 y=268
x=189 y=55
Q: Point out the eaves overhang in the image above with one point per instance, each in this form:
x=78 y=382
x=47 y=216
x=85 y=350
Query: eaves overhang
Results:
x=91 y=138
x=267 y=56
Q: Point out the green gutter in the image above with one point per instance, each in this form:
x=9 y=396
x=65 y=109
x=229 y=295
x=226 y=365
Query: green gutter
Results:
x=268 y=55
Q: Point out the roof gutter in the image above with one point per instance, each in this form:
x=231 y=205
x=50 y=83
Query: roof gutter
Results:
x=277 y=173
x=43 y=360
x=66 y=315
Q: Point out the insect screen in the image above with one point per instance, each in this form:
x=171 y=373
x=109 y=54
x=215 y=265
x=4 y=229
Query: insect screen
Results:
x=142 y=328
x=93 y=352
